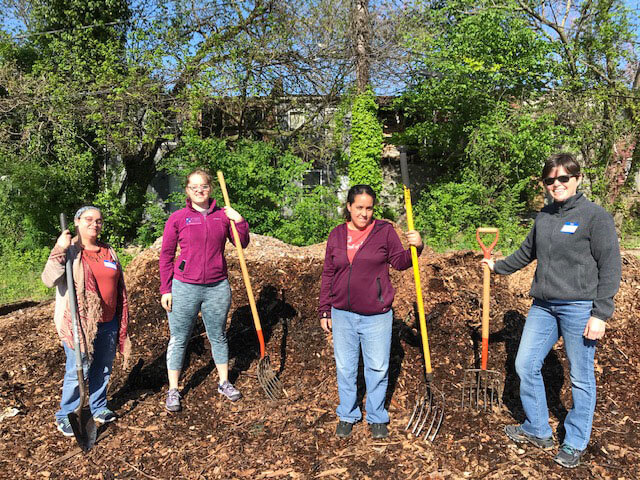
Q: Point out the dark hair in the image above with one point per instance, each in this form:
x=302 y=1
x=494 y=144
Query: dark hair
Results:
x=198 y=171
x=565 y=160
x=353 y=192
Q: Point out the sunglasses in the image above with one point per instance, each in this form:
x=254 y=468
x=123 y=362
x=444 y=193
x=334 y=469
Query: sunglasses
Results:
x=562 y=179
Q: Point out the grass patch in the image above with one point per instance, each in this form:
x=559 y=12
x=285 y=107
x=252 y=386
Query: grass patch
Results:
x=20 y=276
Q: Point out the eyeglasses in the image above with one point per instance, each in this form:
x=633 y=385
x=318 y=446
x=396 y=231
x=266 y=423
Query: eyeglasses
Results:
x=562 y=179
x=90 y=220
x=195 y=188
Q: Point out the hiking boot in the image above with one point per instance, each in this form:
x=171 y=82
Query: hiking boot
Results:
x=229 y=391
x=173 y=400
x=343 y=430
x=104 y=416
x=379 y=430
x=568 y=457
x=64 y=427
x=518 y=435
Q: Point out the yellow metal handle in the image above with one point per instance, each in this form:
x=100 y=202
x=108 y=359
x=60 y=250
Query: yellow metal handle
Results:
x=416 y=279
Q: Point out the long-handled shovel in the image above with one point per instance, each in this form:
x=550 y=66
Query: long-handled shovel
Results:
x=81 y=419
x=482 y=386
x=267 y=378
x=429 y=410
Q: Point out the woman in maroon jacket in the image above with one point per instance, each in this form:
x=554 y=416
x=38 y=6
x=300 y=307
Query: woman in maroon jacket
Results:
x=196 y=281
x=355 y=303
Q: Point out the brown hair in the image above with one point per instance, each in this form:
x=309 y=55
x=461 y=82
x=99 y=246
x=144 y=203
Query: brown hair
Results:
x=199 y=171
x=565 y=160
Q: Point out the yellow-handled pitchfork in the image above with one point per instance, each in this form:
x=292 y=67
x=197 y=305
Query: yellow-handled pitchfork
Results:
x=429 y=409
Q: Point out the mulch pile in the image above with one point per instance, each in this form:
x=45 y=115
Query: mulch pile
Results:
x=294 y=437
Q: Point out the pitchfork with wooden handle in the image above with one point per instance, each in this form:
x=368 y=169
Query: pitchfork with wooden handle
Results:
x=487 y=384
x=267 y=378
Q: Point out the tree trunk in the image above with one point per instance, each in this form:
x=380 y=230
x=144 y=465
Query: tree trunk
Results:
x=362 y=43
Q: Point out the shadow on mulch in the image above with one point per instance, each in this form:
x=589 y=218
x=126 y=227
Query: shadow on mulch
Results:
x=243 y=347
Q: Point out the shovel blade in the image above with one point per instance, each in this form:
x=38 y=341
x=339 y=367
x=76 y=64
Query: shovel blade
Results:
x=84 y=427
x=482 y=389
x=268 y=380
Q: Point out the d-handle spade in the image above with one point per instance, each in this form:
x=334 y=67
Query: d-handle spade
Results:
x=482 y=386
x=81 y=419
x=428 y=411
x=267 y=378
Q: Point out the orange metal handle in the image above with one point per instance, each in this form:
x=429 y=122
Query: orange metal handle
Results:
x=243 y=267
x=486 y=285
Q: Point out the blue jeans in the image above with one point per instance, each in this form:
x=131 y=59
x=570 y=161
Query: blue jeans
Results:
x=546 y=323
x=97 y=373
x=373 y=333
x=214 y=301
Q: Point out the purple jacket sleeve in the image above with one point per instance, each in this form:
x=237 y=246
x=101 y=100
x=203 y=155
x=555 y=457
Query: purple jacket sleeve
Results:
x=167 y=254
x=399 y=258
x=328 y=270
x=243 y=233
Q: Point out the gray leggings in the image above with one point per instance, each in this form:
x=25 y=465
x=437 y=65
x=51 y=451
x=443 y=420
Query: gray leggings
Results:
x=213 y=300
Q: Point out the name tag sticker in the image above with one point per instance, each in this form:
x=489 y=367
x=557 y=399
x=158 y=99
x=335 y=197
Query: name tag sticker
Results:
x=570 y=228
x=193 y=221
x=110 y=264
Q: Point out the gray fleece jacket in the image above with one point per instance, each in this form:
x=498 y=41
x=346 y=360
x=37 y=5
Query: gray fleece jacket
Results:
x=576 y=246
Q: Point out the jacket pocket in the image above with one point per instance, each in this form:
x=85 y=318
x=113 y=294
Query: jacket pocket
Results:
x=380 y=299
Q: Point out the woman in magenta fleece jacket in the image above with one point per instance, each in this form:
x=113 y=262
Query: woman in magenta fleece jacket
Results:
x=355 y=303
x=196 y=280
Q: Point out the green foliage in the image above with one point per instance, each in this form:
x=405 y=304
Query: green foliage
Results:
x=449 y=214
x=261 y=179
x=20 y=275
x=155 y=216
x=313 y=217
x=366 y=143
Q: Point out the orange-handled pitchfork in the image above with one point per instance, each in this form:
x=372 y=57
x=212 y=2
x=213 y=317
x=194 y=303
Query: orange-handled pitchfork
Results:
x=483 y=385
x=267 y=378
x=486 y=285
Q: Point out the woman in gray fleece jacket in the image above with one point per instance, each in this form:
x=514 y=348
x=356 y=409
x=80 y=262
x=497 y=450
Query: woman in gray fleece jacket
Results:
x=577 y=275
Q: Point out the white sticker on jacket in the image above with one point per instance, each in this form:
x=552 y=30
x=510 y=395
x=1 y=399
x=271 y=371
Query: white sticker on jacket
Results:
x=569 y=227
x=110 y=264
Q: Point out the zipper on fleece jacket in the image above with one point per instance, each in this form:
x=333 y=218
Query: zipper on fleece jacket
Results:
x=349 y=285
x=204 y=257
x=351 y=263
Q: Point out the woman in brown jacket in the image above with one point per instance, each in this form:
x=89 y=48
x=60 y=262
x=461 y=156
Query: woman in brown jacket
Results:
x=102 y=311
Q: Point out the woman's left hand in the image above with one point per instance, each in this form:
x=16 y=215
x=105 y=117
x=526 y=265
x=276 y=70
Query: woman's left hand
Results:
x=413 y=237
x=232 y=214
x=595 y=329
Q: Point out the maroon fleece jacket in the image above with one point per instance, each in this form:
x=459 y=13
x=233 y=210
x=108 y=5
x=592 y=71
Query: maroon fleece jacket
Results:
x=363 y=286
x=202 y=239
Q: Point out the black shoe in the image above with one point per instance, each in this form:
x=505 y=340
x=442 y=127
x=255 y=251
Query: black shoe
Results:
x=343 y=430
x=379 y=430
x=518 y=435
x=568 y=457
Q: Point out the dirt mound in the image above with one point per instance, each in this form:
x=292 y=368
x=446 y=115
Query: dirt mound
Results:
x=294 y=437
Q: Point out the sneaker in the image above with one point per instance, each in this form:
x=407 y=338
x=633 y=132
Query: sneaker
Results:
x=343 y=430
x=173 y=400
x=568 y=457
x=518 y=435
x=379 y=430
x=64 y=426
x=104 y=416
x=229 y=391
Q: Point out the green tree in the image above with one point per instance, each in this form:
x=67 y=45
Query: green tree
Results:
x=366 y=142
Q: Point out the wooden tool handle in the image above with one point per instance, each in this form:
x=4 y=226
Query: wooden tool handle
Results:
x=486 y=285
x=243 y=267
